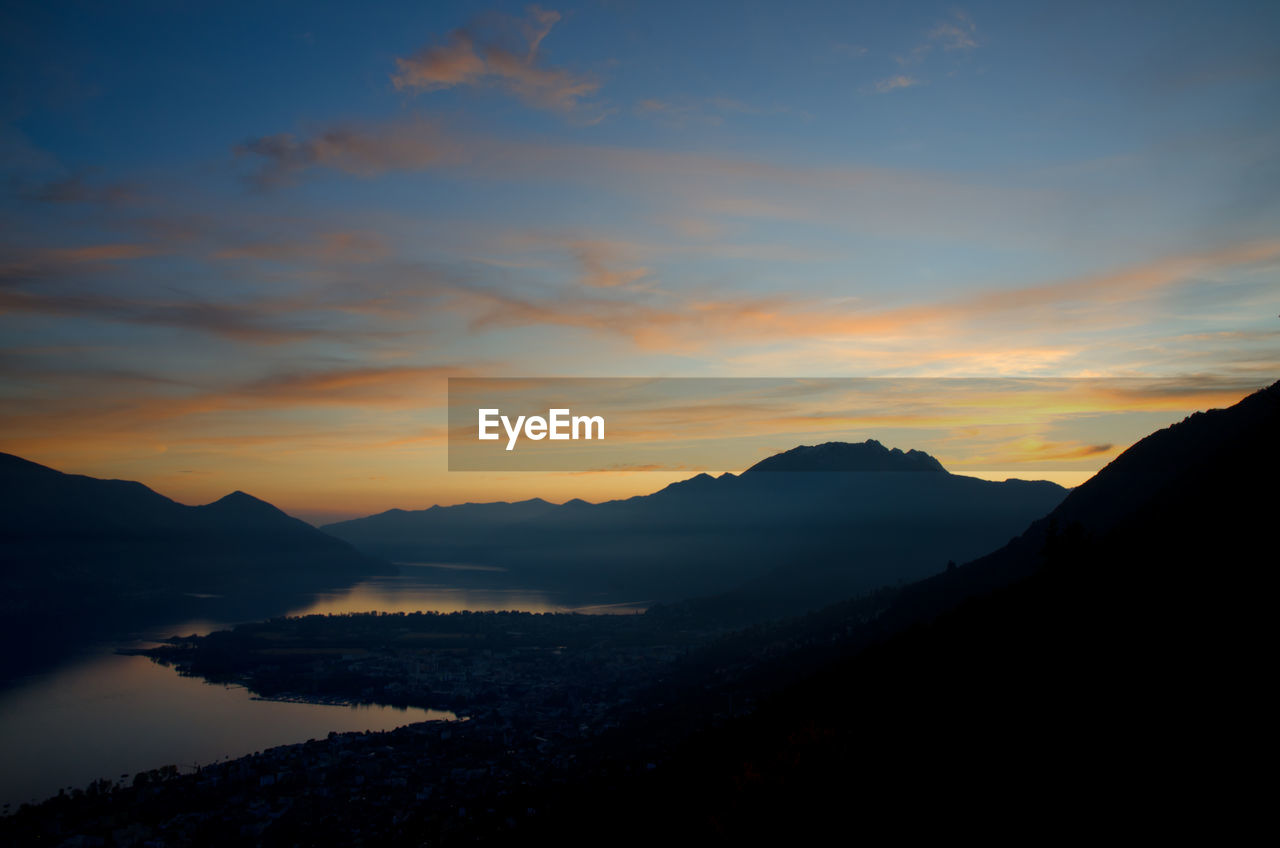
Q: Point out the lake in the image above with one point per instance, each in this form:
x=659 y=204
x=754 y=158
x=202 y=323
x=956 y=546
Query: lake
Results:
x=107 y=715
x=435 y=586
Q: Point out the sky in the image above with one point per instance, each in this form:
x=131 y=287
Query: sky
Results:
x=243 y=246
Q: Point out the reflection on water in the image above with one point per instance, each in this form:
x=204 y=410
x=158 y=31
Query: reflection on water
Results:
x=109 y=715
x=112 y=715
x=409 y=593
x=420 y=587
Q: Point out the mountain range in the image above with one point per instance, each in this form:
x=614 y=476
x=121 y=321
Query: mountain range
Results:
x=80 y=557
x=791 y=532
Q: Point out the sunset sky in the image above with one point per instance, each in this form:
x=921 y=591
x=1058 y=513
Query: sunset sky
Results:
x=242 y=246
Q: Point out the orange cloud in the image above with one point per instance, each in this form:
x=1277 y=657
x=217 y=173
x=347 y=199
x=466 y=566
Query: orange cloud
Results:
x=413 y=145
x=697 y=322
x=613 y=302
x=98 y=409
x=600 y=268
x=397 y=385
x=485 y=53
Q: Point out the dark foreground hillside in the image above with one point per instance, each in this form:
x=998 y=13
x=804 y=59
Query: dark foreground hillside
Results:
x=1106 y=670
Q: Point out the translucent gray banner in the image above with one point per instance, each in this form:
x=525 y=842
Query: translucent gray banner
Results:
x=728 y=424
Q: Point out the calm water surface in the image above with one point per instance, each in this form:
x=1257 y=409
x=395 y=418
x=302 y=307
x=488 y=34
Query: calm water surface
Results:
x=107 y=715
x=422 y=586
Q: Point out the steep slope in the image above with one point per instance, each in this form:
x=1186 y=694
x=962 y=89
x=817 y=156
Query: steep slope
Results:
x=1104 y=670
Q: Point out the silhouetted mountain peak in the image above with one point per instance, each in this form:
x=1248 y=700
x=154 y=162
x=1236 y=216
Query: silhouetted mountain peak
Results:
x=698 y=483
x=239 y=496
x=244 y=504
x=849 y=456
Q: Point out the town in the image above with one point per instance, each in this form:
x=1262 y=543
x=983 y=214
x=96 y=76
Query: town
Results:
x=544 y=701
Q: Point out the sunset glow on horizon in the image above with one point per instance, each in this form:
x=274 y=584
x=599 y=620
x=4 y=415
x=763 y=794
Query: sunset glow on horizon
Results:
x=249 y=255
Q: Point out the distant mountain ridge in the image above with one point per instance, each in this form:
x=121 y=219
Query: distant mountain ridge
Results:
x=42 y=509
x=81 y=556
x=803 y=534
x=845 y=456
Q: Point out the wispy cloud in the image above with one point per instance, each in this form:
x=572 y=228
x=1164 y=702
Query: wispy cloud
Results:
x=711 y=111
x=503 y=52
x=602 y=263
x=869 y=200
x=894 y=83
x=677 y=114
x=857 y=51
x=344 y=247
x=958 y=33
x=22 y=266
x=78 y=188
x=260 y=322
x=396 y=385
x=604 y=267
x=313 y=299
x=410 y=145
x=100 y=253
x=315 y=411
x=693 y=321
